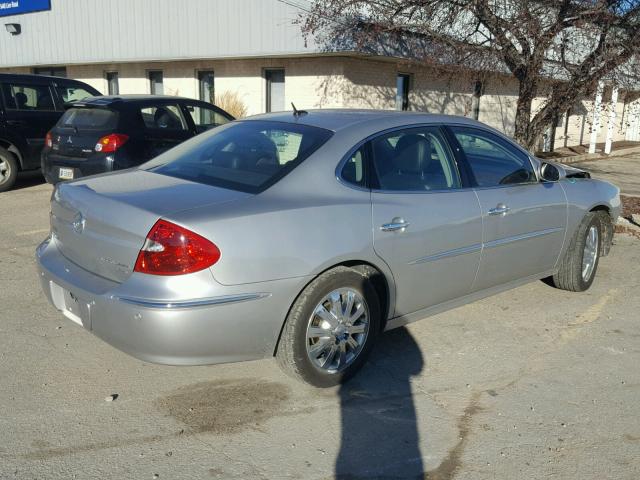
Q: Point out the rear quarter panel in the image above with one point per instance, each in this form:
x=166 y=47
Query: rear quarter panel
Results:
x=274 y=237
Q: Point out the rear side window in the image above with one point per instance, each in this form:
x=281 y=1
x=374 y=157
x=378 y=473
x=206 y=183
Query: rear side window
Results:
x=163 y=117
x=89 y=119
x=248 y=156
x=354 y=170
x=492 y=159
x=415 y=159
x=27 y=97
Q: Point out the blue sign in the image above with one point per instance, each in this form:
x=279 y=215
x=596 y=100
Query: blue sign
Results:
x=17 y=7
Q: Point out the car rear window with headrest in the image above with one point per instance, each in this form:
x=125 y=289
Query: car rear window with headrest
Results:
x=89 y=119
x=248 y=156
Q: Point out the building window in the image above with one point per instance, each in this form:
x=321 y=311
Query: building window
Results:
x=205 y=86
x=402 y=91
x=478 y=90
x=156 y=82
x=52 y=71
x=113 y=85
x=275 y=90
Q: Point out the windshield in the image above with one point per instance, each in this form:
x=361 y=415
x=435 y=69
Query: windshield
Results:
x=89 y=118
x=248 y=156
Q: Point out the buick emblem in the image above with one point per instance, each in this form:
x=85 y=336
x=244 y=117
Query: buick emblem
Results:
x=78 y=223
x=69 y=140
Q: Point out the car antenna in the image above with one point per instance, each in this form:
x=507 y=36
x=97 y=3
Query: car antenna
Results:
x=298 y=113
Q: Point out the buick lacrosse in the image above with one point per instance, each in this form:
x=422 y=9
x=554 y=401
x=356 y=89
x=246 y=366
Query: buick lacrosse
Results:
x=304 y=235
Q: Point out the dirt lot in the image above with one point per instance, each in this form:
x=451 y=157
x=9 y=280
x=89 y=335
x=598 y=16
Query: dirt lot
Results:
x=533 y=383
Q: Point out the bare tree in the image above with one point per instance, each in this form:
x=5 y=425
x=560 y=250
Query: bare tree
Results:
x=565 y=46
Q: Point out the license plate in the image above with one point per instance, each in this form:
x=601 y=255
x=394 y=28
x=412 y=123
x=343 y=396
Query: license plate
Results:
x=65 y=173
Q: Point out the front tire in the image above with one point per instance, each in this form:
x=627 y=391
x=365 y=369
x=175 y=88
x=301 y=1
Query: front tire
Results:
x=580 y=262
x=330 y=329
x=8 y=170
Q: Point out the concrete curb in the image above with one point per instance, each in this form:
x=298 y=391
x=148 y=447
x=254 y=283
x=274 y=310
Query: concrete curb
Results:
x=585 y=157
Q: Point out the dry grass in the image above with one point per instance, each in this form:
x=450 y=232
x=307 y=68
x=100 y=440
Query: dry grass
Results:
x=232 y=103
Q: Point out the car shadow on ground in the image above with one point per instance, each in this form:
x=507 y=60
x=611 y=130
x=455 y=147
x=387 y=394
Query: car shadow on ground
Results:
x=379 y=424
x=28 y=179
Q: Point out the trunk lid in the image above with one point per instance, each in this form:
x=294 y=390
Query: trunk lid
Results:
x=101 y=223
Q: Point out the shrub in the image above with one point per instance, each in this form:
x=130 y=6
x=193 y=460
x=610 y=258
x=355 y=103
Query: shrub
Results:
x=232 y=103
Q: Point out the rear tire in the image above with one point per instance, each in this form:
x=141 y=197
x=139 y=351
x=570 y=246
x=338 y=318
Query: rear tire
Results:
x=580 y=261
x=8 y=170
x=335 y=319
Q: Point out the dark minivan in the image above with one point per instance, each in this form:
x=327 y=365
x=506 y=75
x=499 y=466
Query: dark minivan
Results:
x=103 y=134
x=30 y=105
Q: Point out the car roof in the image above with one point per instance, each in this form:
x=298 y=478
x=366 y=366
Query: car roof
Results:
x=344 y=119
x=30 y=77
x=112 y=99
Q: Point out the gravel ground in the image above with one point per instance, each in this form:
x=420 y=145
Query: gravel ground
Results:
x=533 y=383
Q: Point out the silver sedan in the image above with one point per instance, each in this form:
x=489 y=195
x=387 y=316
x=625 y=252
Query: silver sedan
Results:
x=304 y=235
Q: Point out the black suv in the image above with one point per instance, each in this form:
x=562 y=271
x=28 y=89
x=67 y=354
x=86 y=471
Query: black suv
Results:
x=29 y=106
x=102 y=134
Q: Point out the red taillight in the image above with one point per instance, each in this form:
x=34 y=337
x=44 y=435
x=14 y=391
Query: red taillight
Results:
x=48 y=140
x=173 y=250
x=111 y=143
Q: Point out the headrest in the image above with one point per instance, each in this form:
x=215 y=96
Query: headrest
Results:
x=21 y=99
x=413 y=154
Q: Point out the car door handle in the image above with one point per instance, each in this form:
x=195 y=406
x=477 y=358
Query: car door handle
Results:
x=397 y=224
x=16 y=123
x=500 y=209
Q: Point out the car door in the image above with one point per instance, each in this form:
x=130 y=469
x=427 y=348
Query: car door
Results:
x=426 y=225
x=524 y=219
x=203 y=116
x=30 y=112
x=164 y=127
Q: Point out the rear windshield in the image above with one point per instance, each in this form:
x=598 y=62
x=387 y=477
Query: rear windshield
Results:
x=89 y=119
x=248 y=156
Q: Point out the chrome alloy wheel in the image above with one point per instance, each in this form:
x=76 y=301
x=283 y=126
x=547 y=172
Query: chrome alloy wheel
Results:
x=337 y=330
x=5 y=170
x=590 y=253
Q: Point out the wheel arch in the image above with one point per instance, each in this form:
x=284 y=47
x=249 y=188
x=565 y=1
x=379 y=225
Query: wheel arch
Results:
x=607 y=226
x=383 y=284
x=13 y=149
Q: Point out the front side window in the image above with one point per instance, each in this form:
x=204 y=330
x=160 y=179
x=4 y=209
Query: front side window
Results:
x=72 y=94
x=492 y=159
x=27 y=97
x=247 y=156
x=163 y=117
x=206 y=118
x=416 y=159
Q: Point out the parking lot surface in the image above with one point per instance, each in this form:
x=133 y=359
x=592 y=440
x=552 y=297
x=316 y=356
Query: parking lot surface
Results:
x=533 y=383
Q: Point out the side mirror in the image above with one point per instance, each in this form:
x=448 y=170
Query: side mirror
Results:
x=549 y=172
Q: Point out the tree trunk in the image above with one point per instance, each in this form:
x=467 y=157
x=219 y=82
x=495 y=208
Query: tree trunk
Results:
x=526 y=93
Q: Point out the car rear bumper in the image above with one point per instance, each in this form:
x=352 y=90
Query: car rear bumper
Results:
x=82 y=167
x=236 y=323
